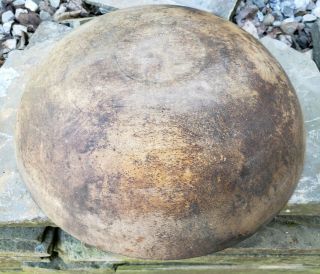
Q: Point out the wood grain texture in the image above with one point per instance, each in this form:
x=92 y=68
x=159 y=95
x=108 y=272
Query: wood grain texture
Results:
x=160 y=132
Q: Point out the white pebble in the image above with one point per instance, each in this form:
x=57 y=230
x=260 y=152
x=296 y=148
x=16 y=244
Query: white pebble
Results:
x=31 y=5
x=268 y=20
x=19 y=2
x=316 y=11
x=7 y=26
x=10 y=44
x=55 y=3
x=7 y=16
x=1 y=29
x=18 y=29
x=260 y=16
x=288 y=20
x=19 y=11
x=301 y=5
x=309 y=18
x=276 y=23
x=44 y=15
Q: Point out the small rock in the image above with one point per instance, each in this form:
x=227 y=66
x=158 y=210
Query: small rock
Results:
x=7 y=26
x=10 y=44
x=315 y=32
x=1 y=29
x=277 y=15
x=260 y=16
x=287 y=20
x=31 y=5
x=287 y=8
x=44 y=15
x=298 y=18
x=301 y=5
x=302 y=41
x=17 y=30
x=248 y=12
x=67 y=15
x=289 y=27
x=259 y=3
x=62 y=9
x=309 y=18
x=31 y=20
x=274 y=4
x=7 y=16
x=45 y=6
x=268 y=20
x=316 y=11
x=249 y=27
x=17 y=3
x=19 y=11
x=311 y=6
x=270 y=28
x=75 y=5
x=55 y=3
x=276 y=23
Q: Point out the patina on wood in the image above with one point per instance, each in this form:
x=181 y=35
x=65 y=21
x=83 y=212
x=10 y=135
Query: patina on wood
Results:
x=155 y=135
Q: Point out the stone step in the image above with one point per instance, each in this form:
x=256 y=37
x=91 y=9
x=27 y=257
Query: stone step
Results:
x=288 y=242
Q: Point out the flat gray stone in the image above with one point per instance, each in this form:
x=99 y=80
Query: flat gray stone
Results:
x=222 y=8
x=282 y=235
x=305 y=77
x=315 y=32
x=16 y=204
x=26 y=242
x=48 y=30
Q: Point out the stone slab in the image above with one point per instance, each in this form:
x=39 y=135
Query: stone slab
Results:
x=16 y=204
x=315 y=32
x=305 y=77
x=284 y=235
x=287 y=243
x=26 y=242
x=222 y=8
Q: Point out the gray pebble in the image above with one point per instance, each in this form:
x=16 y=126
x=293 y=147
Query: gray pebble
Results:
x=309 y=18
x=45 y=16
x=259 y=3
x=55 y=3
x=289 y=27
x=7 y=16
x=268 y=20
x=287 y=8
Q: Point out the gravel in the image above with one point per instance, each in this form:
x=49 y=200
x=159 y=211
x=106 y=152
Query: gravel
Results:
x=289 y=21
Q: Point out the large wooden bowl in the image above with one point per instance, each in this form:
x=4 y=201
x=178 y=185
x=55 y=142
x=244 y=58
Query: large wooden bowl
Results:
x=160 y=132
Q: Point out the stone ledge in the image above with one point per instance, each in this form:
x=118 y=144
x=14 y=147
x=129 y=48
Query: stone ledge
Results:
x=289 y=243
